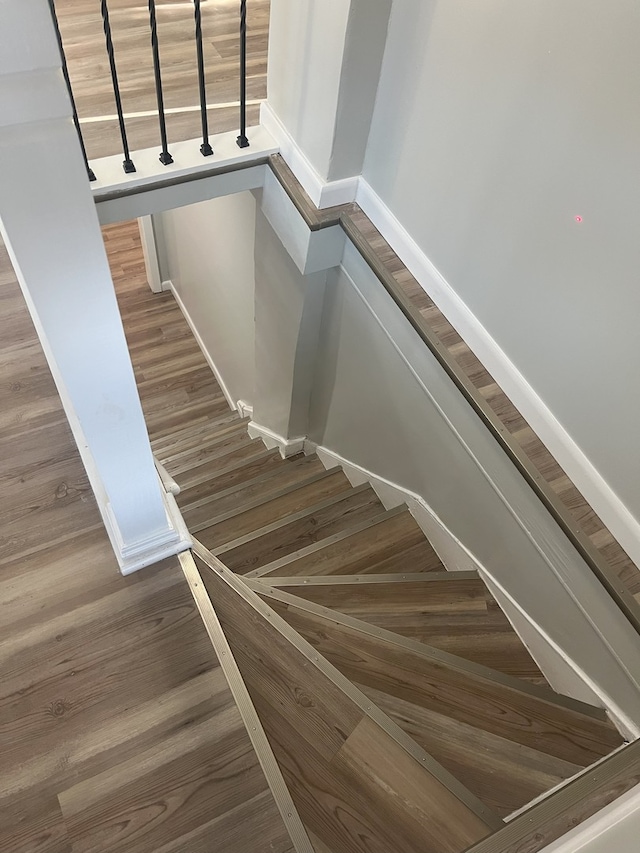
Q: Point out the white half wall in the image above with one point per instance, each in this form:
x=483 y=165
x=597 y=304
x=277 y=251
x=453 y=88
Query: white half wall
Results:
x=206 y=251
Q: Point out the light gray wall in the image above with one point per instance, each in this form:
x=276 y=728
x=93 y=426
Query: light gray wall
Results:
x=288 y=313
x=381 y=401
x=324 y=65
x=496 y=124
x=207 y=251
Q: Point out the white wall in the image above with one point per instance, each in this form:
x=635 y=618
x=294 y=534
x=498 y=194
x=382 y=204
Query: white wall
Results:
x=207 y=250
x=496 y=125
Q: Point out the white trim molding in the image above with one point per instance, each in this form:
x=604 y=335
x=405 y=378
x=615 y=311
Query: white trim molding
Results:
x=322 y=193
x=622 y=524
x=287 y=446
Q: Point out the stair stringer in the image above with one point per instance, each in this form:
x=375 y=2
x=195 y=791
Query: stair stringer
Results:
x=563 y=674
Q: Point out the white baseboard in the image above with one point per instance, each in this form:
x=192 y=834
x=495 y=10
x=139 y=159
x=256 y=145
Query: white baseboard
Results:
x=245 y=410
x=169 y=285
x=286 y=446
x=322 y=193
x=564 y=675
x=622 y=524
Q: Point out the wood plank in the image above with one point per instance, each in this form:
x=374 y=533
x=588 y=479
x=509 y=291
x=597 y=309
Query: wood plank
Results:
x=301 y=529
x=360 y=548
x=236 y=497
x=234 y=474
x=340 y=786
x=451 y=614
x=439 y=682
x=504 y=775
x=270 y=508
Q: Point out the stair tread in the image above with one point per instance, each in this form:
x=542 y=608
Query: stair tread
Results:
x=267 y=509
x=504 y=775
x=356 y=547
x=524 y=713
x=335 y=759
x=243 y=450
x=452 y=614
x=298 y=530
x=207 y=452
x=195 y=430
x=234 y=498
x=166 y=422
x=238 y=472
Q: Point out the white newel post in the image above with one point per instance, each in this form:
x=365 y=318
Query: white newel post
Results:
x=50 y=225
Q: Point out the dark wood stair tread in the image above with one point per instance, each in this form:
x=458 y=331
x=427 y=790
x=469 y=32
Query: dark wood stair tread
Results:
x=506 y=776
x=236 y=473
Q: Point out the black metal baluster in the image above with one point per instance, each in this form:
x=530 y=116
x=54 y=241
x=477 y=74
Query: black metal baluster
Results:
x=242 y=140
x=128 y=162
x=205 y=148
x=67 y=79
x=165 y=157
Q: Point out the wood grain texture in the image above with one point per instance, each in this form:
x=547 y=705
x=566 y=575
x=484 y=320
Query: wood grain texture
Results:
x=447 y=687
x=455 y=614
x=296 y=531
x=353 y=786
x=535 y=450
x=103 y=677
x=504 y=775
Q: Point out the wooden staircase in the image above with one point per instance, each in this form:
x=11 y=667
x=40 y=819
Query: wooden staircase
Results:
x=390 y=704
x=399 y=708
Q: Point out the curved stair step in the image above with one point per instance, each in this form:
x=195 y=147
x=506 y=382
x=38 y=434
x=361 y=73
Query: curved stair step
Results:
x=300 y=529
x=362 y=548
x=453 y=611
x=359 y=783
x=242 y=495
x=467 y=692
x=269 y=508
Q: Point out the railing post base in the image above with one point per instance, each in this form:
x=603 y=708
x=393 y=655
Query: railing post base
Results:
x=128 y=167
x=242 y=142
x=206 y=150
x=165 y=158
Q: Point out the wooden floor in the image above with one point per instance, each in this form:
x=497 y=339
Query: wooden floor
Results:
x=83 y=37
x=118 y=733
